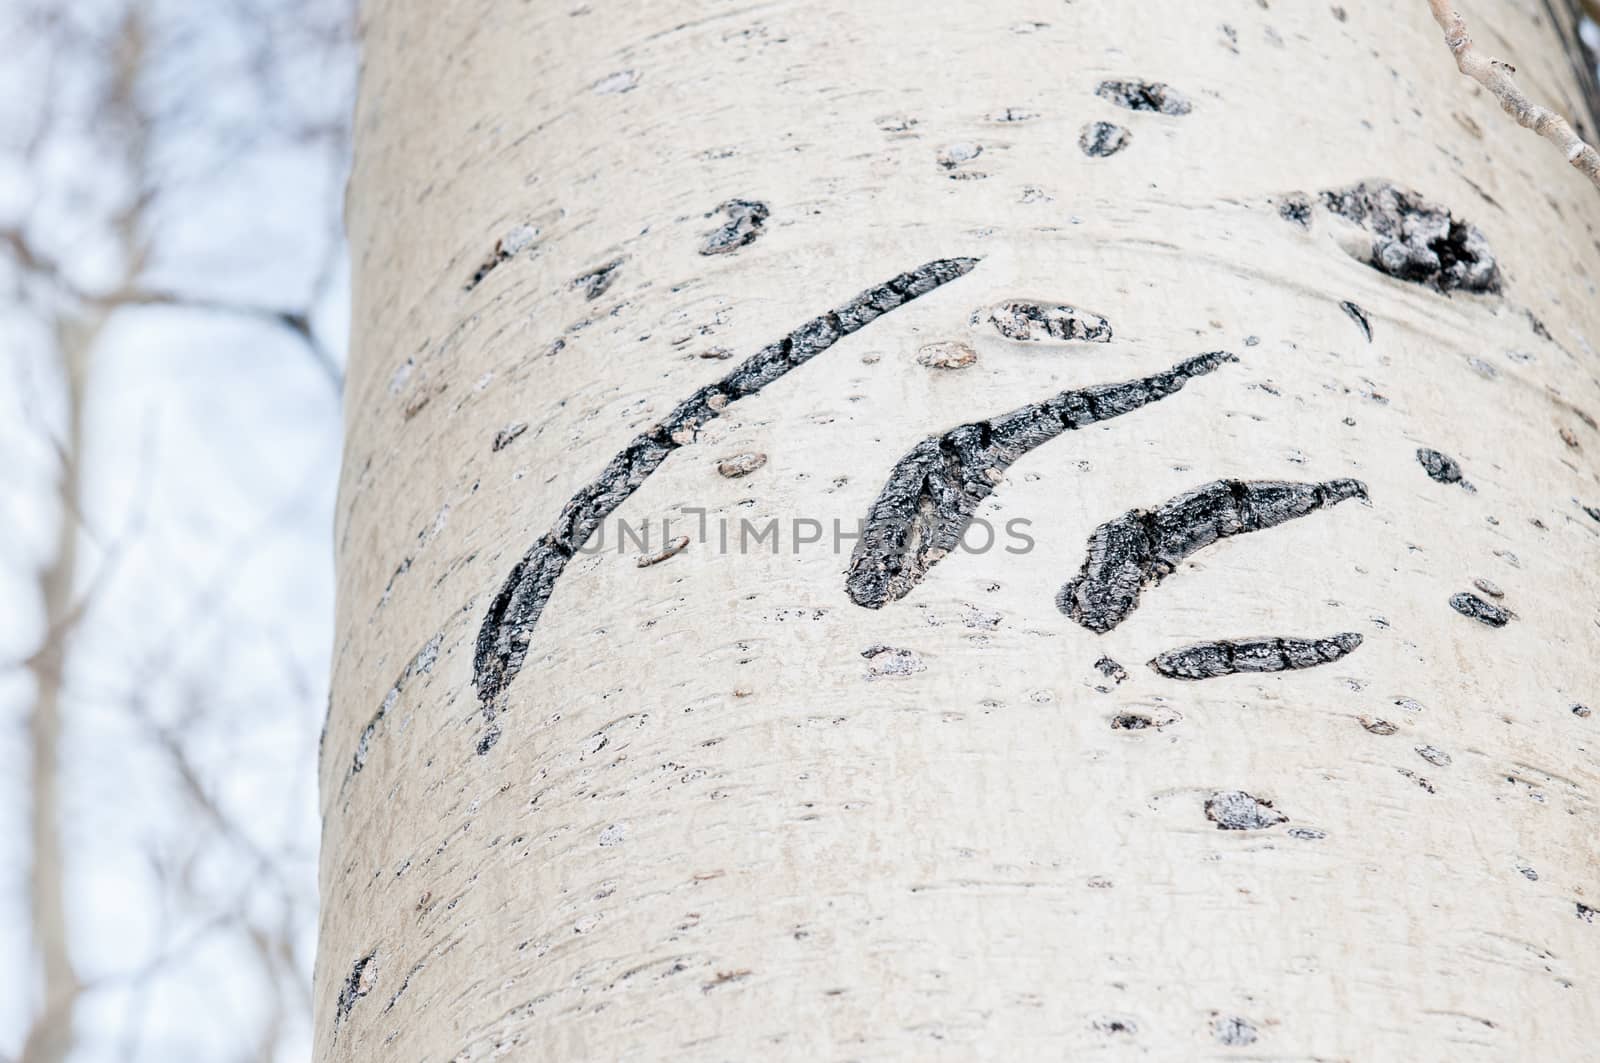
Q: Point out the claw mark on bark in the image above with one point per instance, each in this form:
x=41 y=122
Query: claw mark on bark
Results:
x=745 y=219
x=502 y=643
x=596 y=281
x=1237 y=810
x=1441 y=468
x=1470 y=605
x=1146 y=546
x=932 y=492
x=1209 y=660
x=1032 y=322
x=1359 y=316
x=1144 y=96
x=1412 y=239
x=1099 y=139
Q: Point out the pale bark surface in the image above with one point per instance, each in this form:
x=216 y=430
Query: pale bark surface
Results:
x=722 y=811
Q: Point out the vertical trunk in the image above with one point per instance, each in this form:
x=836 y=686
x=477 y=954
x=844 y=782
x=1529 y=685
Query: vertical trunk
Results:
x=888 y=796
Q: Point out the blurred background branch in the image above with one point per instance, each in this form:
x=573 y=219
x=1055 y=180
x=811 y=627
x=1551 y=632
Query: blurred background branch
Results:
x=172 y=280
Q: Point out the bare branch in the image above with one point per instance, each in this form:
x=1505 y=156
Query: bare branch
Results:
x=1495 y=75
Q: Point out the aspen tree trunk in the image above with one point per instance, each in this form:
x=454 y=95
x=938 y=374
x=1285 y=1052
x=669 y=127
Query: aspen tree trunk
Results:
x=1258 y=339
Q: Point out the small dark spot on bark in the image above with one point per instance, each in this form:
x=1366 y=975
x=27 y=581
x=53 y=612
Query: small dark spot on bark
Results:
x=1415 y=240
x=953 y=155
x=504 y=437
x=1538 y=327
x=1099 y=139
x=1585 y=912
x=1237 y=810
x=1028 y=321
x=1296 y=208
x=1232 y=1030
x=745 y=219
x=1131 y=721
x=741 y=464
x=890 y=662
x=1111 y=669
x=508 y=246
x=490 y=736
x=1441 y=468
x=1489 y=587
x=1593 y=511
x=1359 y=316
x=1437 y=757
x=1483 y=612
x=1145 y=546
x=1124 y=1027
x=1582 y=712
x=595 y=282
x=1210 y=660
x=1144 y=96
x=1378 y=727
x=1306 y=834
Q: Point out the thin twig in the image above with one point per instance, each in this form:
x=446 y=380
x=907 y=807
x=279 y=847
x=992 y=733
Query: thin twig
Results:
x=1495 y=75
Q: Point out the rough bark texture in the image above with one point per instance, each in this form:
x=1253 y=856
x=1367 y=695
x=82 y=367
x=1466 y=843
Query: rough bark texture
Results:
x=718 y=809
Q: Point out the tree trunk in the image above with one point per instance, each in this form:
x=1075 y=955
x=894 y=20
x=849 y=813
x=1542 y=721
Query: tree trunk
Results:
x=1046 y=301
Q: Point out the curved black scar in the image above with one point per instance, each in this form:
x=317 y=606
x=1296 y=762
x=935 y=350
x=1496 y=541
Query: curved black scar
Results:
x=507 y=628
x=1209 y=660
x=933 y=491
x=1145 y=546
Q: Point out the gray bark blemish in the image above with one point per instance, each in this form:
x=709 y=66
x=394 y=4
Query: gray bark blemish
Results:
x=1210 y=660
x=1111 y=670
x=420 y=664
x=741 y=464
x=1296 y=209
x=595 y=282
x=1412 y=239
x=1233 y=1031
x=931 y=493
x=507 y=629
x=1144 y=96
x=946 y=354
x=672 y=549
x=1099 y=139
x=889 y=662
x=357 y=984
x=1145 y=546
x=1441 y=468
x=506 y=435
x=1131 y=721
x=745 y=220
x=507 y=247
x=1470 y=605
x=1237 y=810
x=1029 y=321
x=1359 y=316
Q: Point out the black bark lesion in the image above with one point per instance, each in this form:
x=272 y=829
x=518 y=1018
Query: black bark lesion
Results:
x=1213 y=659
x=931 y=494
x=503 y=638
x=1484 y=612
x=1413 y=239
x=1145 y=546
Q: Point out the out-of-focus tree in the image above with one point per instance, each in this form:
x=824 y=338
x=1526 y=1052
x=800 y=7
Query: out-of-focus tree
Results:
x=172 y=306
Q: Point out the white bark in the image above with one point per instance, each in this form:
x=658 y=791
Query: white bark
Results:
x=721 y=810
